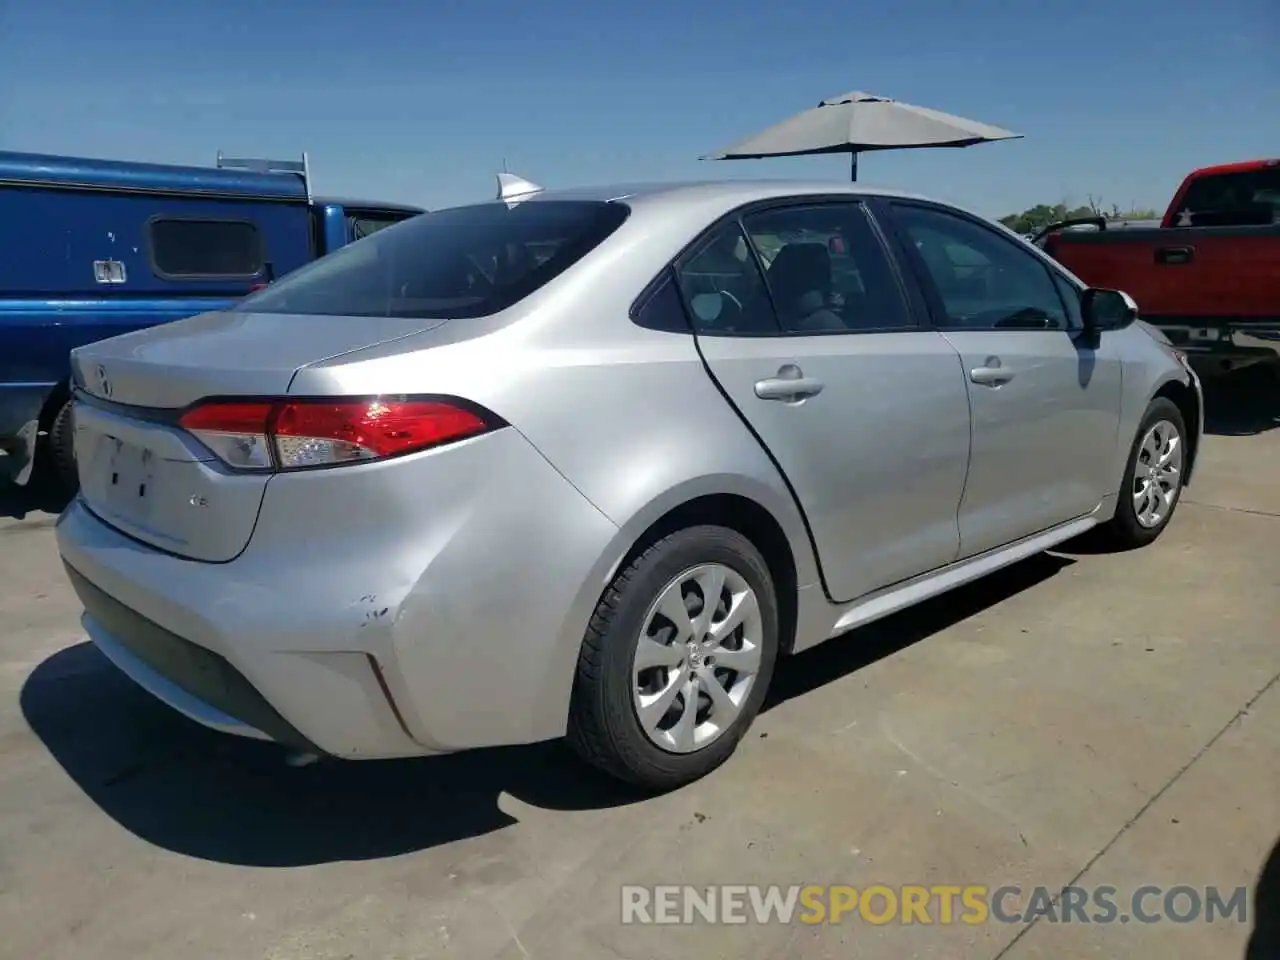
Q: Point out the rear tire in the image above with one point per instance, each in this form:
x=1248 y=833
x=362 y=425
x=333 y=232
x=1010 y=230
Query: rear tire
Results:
x=688 y=729
x=1152 y=484
x=62 y=452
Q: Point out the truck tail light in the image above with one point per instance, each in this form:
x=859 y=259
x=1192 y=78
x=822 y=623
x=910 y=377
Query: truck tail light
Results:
x=297 y=433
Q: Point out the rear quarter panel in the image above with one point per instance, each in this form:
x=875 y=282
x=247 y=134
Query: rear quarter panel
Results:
x=636 y=429
x=628 y=415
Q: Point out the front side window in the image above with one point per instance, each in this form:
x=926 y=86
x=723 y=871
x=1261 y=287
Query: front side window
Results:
x=189 y=249
x=982 y=280
x=470 y=261
x=827 y=270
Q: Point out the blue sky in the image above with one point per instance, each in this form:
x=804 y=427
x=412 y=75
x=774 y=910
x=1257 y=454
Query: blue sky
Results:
x=421 y=100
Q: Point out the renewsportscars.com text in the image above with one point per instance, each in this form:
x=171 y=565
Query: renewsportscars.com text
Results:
x=942 y=904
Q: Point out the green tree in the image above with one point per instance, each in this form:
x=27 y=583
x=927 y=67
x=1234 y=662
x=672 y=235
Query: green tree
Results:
x=1042 y=214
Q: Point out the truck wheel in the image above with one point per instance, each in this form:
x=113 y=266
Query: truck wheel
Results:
x=62 y=452
x=676 y=660
x=1153 y=475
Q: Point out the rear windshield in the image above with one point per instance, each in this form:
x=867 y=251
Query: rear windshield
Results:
x=462 y=262
x=1242 y=198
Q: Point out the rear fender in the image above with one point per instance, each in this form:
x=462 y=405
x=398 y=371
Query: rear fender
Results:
x=780 y=507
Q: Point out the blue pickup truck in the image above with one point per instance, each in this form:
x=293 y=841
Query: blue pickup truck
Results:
x=93 y=248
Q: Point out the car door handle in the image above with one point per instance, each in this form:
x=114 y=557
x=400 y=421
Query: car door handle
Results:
x=788 y=389
x=1174 y=255
x=991 y=376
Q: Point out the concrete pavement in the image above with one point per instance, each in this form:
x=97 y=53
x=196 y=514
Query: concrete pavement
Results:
x=1088 y=719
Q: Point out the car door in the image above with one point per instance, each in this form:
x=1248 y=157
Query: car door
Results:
x=1044 y=395
x=800 y=317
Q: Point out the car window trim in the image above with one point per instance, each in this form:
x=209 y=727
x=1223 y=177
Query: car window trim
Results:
x=917 y=299
x=936 y=306
x=260 y=245
x=913 y=304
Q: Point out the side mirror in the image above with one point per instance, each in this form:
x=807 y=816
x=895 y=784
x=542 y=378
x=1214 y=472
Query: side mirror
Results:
x=1104 y=309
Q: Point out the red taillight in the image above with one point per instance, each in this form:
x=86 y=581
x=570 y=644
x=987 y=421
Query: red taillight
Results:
x=318 y=432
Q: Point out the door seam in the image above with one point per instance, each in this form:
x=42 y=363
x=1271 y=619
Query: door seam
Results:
x=968 y=463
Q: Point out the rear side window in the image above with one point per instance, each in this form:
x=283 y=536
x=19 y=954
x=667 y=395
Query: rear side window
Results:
x=662 y=309
x=185 y=249
x=468 y=261
x=723 y=288
x=827 y=270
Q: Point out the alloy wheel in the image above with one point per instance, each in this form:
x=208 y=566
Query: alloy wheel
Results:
x=697 y=657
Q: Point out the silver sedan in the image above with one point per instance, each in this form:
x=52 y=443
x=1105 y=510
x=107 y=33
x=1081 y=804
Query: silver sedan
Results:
x=587 y=463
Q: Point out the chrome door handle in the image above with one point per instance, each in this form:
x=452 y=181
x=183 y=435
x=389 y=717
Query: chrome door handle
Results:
x=992 y=373
x=789 y=389
x=990 y=376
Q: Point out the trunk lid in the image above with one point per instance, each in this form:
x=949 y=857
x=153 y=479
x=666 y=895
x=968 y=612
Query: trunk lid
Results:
x=152 y=480
x=174 y=364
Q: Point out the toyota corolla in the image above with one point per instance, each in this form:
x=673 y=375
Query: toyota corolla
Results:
x=587 y=463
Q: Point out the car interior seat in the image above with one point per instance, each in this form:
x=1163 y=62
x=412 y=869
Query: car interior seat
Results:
x=800 y=279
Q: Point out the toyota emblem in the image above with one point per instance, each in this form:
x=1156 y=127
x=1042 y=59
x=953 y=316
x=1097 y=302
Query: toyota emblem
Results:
x=104 y=385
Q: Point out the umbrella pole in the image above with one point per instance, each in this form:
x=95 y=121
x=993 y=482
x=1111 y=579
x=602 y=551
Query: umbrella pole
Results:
x=853 y=166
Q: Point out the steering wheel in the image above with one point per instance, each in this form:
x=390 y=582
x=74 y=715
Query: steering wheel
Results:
x=731 y=298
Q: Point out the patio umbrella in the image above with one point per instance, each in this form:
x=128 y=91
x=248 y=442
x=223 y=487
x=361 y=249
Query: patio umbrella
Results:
x=859 y=123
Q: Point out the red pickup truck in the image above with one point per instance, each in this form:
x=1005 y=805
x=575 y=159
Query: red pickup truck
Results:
x=1208 y=276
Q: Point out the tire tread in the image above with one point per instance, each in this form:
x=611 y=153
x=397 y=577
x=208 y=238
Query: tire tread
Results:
x=596 y=732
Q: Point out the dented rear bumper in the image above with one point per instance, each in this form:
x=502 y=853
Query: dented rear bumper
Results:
x=420 y=605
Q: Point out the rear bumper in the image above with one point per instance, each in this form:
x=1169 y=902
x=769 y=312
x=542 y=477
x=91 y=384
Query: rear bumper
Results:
x=190 y=679
x=417 y=606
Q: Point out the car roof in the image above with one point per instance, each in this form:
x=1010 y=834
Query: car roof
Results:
x=130 y=176
x=1244 y=166
x=731 y=192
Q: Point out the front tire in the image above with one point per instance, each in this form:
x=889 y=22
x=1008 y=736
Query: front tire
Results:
x=1152 y=484
x=677 y=659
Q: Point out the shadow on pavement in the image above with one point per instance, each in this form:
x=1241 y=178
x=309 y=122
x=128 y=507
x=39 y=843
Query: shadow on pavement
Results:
x=837 y=658
x=19 y=503
x=1242 y=404
x=1264 y=944
x=203 y=794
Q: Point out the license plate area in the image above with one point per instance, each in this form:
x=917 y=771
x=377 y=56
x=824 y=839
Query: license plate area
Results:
x=123 y=478
x=145 y=479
